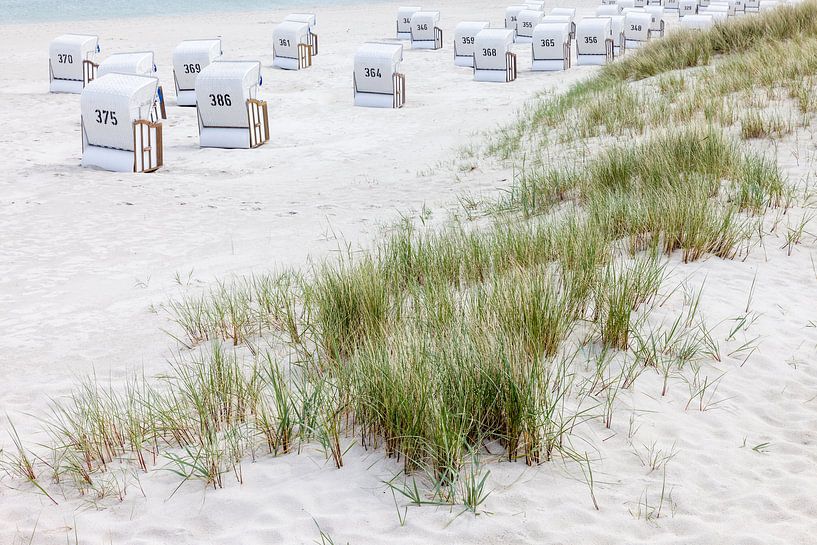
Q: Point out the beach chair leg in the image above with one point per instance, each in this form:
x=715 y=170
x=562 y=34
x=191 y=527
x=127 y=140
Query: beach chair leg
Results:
x=314 y=38
x=148 y=153
x=510 y=66
x=304 y=56
x=88 y=71
x=258 y=117
x=162 y=109
x=399 y=90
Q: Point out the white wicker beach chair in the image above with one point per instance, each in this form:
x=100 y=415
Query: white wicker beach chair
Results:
x=425 y=32
x=493 y=58
x=377 y=80
x=551 y=47
x=291 y=48
x=595 y=41
x=189 y=58
x=229 y=111
x=117 y=132
x=464 y=36
x=71 y=62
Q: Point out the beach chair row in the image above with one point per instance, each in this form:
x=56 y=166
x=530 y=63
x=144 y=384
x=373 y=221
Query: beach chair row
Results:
x=122 y=102
x=619 y=25
x=693 y=14
x=72 y=57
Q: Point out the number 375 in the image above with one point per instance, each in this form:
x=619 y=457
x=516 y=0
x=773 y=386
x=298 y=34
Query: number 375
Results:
x=105 y=117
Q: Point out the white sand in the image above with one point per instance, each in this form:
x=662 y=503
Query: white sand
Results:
x=83 y=254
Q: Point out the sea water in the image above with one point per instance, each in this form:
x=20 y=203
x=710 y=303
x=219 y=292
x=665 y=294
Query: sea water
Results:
x=27 y=11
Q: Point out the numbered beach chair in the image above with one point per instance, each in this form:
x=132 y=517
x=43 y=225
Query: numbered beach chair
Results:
x=464 y=35
x=656 y=20
x=752 y=6
x=404 y=15
x=697 y=22
x=624 y=4
x=425 y=34
x=526 y=21
x=377 y=80
x=594 y=41
x=229 y=110
x=636 y=29
x=607 y=10
x=731 y=7
x=687 y=7
x=556 y=19
x=493 y=59
x=511 y=15
x=551 y=47
x=137 y=63
x=189 y=58
x=290 y=46
x=536 y=6
x=71 y=62
x=738 y=7
x=671 y=5
x=312 y=21
x=117 y=132
x=567 y=12
x=719 y=12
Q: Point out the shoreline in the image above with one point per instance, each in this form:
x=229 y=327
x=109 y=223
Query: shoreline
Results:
x=292 y=7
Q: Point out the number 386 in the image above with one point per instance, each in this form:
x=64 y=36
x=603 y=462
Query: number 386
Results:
x=221 y=100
